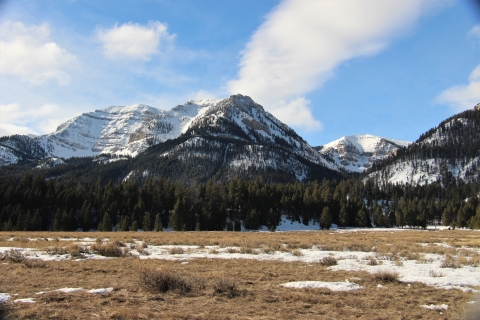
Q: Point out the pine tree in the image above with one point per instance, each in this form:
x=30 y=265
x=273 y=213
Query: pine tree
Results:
x=57 y=221
x=36 y=221
x=158 y=223
x=106 y=223
x=326 y=218
x=147 y=222
x=8 y=226
x=134 y=226
x=363 y=218
x=124 y=223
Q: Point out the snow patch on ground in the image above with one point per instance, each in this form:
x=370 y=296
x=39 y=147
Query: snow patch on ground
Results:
x=100 y=291
x=334 y=286
x=435 y=307
x=26 y=300
x=69 y=290
x=4 y=297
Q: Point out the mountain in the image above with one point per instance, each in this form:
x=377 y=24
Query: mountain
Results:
x=358 y=153
x=236 y=137
x=445 y=154
x=117 y=130
x=200 y=140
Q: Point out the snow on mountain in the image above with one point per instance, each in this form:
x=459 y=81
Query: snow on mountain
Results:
x=358 y=152
x=8 y=156
x=442 y=154
x=236 y=137
x=117 y=130
x=240 y=117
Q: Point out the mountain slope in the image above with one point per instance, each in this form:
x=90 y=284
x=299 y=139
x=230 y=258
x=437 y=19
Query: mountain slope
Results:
x=358 y=152
x=446 y=153
x=236 y=137
x=197 y=141
x=115 y=130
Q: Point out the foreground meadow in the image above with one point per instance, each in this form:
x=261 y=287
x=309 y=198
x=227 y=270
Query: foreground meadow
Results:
x=369 y=274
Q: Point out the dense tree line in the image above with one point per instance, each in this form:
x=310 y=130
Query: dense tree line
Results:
x=35 y=203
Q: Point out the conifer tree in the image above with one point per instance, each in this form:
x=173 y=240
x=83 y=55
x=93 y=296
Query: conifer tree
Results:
x=106 y=223
x=158 y=223
x=134 y=226
x=124 y=223
x=326 y=218
x=57 y=221
x=36 y=221
x=147 y=222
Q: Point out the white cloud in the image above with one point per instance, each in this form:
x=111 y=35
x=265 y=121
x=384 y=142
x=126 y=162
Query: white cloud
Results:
x=474 y=32
x=8 y=129
x=204 y=95
x=463 y=97
x=35 y=120
x=28 y=53
x=134 y=41
x=301 y=43
x=297 y=113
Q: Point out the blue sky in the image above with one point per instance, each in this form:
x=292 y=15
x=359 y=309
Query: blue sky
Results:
x=392 y=68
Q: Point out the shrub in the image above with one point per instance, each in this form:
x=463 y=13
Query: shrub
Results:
x=232 y=250
x=246 y=250
x=387 y=276
x=56 y=251
x=163 y=280
x=177 y=250
x=450 y=262
x=34 y=263
x=297 y=253
x=109 y=250
x=328 y=261
x=120 y=244
x=372 y=261
x=13 y=255
x=76 y=251
x=226 y=287
x=435 y=274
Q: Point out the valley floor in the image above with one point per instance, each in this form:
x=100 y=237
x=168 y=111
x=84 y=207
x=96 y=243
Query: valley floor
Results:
x=387 y=274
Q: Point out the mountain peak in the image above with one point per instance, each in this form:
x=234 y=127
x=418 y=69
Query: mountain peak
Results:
x=358 y=152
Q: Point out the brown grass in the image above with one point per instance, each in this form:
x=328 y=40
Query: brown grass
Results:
x=257 y=283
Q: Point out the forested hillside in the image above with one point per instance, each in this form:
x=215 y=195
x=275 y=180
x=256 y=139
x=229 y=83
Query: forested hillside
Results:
x=34 y=203
x=444 y=154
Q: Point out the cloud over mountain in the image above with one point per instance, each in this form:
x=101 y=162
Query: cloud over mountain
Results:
x=301 y=43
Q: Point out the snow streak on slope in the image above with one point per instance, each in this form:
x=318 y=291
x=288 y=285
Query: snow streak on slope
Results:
x=357 y=153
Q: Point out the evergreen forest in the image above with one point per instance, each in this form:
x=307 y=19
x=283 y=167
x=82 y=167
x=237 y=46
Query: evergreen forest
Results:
x=34 y=203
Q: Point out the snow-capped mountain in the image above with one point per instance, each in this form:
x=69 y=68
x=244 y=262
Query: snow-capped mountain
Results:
x=358 y=152
x=237 y=137
x=118 y=130
x=443 y=154
x=201 y=138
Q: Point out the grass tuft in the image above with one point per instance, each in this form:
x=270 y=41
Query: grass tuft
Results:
x=328 y=261
x=109 y=250
x=227 y=287
x=450 y=262
x=163 y=280
x=386 y=276
x=177 y=250
x=13 y=255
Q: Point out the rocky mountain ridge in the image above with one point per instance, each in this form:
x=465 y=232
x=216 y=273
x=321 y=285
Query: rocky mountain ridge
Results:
x=357 y=153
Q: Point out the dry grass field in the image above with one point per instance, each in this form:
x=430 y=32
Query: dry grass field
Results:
x=210 y=287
